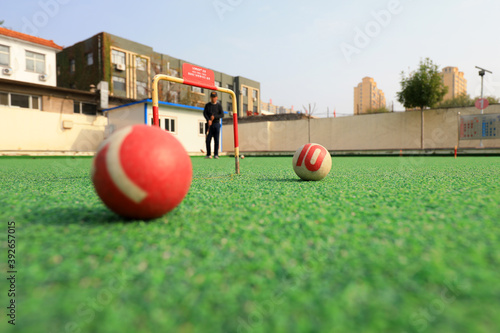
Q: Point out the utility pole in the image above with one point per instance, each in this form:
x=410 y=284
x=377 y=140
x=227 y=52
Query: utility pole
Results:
x=482 y=71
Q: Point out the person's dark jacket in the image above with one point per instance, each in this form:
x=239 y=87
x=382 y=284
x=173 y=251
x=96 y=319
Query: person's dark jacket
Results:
x=213 y=110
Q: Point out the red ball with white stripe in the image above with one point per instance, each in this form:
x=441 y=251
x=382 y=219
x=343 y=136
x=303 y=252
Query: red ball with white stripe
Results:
x=141 y=172
x=312 y=162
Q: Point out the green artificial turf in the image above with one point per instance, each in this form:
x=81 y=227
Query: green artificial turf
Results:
x=394 y=244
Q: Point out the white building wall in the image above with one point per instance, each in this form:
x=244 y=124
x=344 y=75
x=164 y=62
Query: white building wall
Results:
x=187 y=122
x=18 y=50
x=125 y=116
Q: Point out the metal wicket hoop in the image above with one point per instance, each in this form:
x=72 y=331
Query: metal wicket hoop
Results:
x=203 y=78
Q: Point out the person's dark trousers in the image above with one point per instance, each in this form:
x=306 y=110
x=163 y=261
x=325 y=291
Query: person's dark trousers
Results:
x=213 y=133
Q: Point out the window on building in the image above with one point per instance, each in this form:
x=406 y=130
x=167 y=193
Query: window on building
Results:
x=90 y=109
x=201 y=127
x=4 y=55
x=90 y=58
x=35 y=102
x=255 y=109
x=119 y=83
x=117 y=57
x=245 y=107
x=84 y=108
x=197 y=90
x=230 y=87
x=218 y=84
x=229 y=106
x=72 y=66
x=141 y=63
x=20 y=100
x=170 y=125
x=35 y=62
x=4 y=98
x=244 y=91
x=254 y=94
x=142 y=89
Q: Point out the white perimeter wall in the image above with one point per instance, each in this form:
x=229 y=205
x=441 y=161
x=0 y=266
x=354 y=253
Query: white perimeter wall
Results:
x=26 y=130
x=387 y=131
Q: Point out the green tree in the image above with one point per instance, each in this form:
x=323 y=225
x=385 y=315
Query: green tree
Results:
x=491 y=99
x=422 y=88
x=381 y=109
x=462 y=100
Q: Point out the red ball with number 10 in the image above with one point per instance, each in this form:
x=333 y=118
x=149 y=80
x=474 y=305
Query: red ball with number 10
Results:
x=312 y=162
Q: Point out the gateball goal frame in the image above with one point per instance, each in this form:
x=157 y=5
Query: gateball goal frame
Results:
x=209 y=85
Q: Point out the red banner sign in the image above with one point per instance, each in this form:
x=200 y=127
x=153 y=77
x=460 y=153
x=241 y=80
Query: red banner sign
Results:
x=198 y=76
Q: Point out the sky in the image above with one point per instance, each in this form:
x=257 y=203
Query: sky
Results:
x=302 y=52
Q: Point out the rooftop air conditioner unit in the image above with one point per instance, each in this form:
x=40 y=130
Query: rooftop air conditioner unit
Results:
x=7 y=71
x=120 y=67
x=43 y=77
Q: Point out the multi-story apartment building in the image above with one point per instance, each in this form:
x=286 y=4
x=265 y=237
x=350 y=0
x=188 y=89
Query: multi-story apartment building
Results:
x=367 y=96
x=455 y=81
x=27 y=58
x=129 y=68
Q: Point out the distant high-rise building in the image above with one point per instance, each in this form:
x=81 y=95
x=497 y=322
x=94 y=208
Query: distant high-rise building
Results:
x=367 y=96
x=455 y=81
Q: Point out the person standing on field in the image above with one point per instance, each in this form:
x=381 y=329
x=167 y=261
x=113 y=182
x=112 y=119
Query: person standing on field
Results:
x=213 y=114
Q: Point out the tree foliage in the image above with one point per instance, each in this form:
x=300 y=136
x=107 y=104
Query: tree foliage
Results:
x=491 y=99
x=381 y=109
x=422 y=88
x=464 y=100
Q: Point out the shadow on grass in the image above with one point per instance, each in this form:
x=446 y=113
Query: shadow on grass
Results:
x=283 y=180
x=74 y=215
